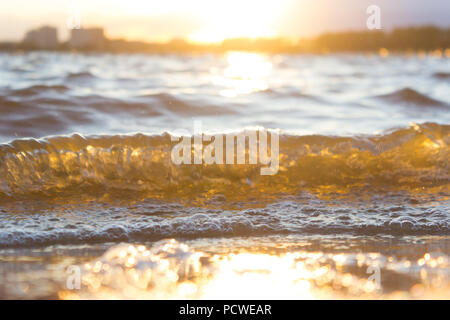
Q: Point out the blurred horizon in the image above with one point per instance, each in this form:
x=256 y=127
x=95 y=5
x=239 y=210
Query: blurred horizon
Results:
x=202 y=21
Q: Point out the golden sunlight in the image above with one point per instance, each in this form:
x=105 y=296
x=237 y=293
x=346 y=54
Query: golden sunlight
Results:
x=236 y=18
x=172 y=270
x=245 y=73
x=209 y=21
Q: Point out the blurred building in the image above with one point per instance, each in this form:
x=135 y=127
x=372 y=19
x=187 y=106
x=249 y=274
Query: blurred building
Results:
x=93 y=38
x=42 y=38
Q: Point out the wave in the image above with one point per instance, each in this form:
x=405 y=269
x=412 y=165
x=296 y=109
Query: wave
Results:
x=441 y=75
x=170 y=103
x=289 y=92
x=84 y=75
x=411 y=158
x=37 y=89
x=412 y=97
x=152 y=221
x=44 y=97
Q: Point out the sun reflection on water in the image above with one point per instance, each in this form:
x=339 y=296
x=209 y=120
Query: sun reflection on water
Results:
x=172 y=270
x=245 y=73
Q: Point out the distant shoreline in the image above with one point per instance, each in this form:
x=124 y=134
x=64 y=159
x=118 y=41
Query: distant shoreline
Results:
x=411 y=39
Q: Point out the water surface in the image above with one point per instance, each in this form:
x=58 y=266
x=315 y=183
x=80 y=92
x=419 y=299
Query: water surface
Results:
x=86 y=178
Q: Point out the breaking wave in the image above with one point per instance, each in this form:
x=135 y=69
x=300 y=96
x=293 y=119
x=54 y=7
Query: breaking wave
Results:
x=413 y=158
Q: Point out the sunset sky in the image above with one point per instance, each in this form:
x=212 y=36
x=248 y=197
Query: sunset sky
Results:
x=214 y=20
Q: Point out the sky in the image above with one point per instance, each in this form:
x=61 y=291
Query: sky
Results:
x=213 y=20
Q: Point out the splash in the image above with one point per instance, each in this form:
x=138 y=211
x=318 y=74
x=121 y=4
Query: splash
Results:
x=139 y=166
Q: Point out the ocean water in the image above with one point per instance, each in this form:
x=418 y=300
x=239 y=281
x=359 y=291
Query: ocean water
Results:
x=358 y=209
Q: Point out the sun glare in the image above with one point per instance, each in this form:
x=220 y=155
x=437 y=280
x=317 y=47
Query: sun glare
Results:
x=236 y=18
x=245 y=73
x=217 y=20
